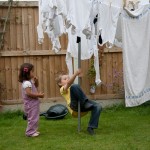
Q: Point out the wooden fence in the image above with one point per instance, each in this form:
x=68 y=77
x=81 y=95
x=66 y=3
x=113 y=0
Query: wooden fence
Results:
x=21 y=45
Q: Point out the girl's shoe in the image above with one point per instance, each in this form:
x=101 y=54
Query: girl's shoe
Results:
x=33 y=135
x=38 y=132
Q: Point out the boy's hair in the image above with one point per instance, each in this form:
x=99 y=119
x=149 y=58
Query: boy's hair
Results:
x=24 y=72
x=58 y=77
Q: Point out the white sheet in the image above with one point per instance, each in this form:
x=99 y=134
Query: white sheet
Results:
x=136 y=56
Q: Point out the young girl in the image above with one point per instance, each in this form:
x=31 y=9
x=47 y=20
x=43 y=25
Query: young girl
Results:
x=30 y=97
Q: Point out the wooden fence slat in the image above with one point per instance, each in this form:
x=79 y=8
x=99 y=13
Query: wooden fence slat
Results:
x=2 y=79
x=120 y=70
x=20 y=62
x=52 y=76
x=39 y=73
x=45 y=76
x=109 y=74
x=13 y=36
x=84 y=80
x=14 y=78
x=115 y=73
x=104 y=75
x=8 y=75
x=25 y=30
x=63 y=63
x=31 y=29
x=19 y=33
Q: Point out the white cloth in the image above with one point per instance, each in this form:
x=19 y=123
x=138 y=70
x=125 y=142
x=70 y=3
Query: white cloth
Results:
x=118 y=36
x=78 y=12
x=107 y=21
x=88 y=29
x=144 y=2
x=88 y=48
x=136 y=12
x=40 y=34
x=58 y=30
x=51 y=21
x=136 y=56
x=26 y=84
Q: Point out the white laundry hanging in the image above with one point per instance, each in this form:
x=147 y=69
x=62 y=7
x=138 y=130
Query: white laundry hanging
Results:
x=78 y=12
x=88 y=48
x=118 y=36
x=88 y=29
x=108 y=15
x=136 y=55
x=75 y=14
x=136 y=2
x=51 y=21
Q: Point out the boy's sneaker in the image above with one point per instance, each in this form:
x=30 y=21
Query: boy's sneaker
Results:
x=90 y=131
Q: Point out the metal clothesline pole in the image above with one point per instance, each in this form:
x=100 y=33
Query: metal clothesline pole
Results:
x=79 y=81
x=79 y=66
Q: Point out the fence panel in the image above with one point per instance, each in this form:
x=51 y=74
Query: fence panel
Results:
x=21 y=45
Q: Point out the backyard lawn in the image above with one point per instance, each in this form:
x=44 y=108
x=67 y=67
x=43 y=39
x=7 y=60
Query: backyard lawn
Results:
x=120 y=128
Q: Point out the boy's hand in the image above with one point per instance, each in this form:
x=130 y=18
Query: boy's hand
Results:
x=79 y=72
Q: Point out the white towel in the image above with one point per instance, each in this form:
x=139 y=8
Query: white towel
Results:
x=136 y=56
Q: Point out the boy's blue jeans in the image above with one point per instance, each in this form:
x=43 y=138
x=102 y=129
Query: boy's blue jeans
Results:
x=76 y=94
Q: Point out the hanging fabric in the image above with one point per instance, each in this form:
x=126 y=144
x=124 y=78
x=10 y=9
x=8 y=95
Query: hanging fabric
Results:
x=136 y=55
x=109 y=11
x=51 y=21
x=78 y=13
x=77 y=19
x=88 y=49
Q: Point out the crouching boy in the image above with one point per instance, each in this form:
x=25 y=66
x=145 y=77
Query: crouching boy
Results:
x=72 y=93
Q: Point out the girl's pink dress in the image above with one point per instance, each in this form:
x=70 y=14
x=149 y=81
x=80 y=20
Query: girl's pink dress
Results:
x=31 y=108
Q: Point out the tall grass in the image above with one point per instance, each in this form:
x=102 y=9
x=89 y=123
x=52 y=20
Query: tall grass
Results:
x=120 y=128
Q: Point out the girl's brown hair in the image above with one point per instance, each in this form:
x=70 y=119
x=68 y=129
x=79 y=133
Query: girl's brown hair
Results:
x=24 y=72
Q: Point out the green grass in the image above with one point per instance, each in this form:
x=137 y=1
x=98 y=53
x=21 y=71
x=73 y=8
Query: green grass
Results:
x=119 y=129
